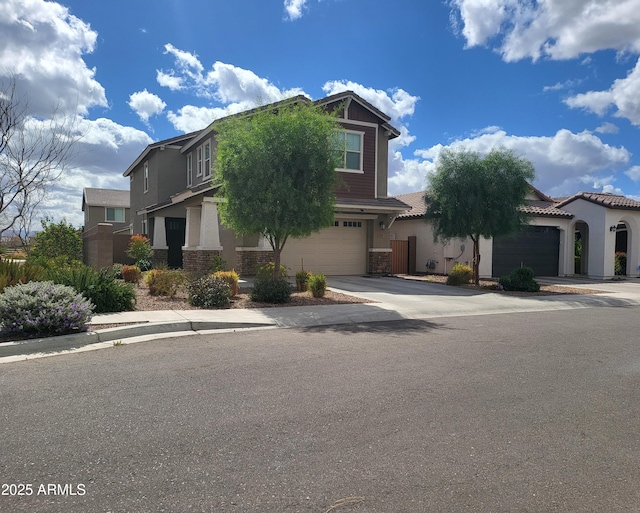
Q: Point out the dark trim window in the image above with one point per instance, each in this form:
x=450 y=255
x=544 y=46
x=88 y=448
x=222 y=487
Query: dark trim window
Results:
x=199 y=161
x=207 y=159
x=146 y=176
x=114 y=214
x=189 y=170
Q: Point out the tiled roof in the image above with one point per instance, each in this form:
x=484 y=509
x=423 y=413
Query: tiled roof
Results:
x=105 y=198
x=415 y=200
x=605 y=199
x=543 y=208
x=531 y=207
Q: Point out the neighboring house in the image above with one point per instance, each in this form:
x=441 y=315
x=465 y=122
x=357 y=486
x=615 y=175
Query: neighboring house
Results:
x=604 y=223
x=174 y=201
x=105 y=206
x=106 y=229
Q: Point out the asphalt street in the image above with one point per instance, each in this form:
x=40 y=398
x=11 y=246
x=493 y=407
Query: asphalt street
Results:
x=522 y=412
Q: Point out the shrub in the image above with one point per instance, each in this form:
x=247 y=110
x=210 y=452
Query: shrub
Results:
x=208 y=292
x=232 y=278
x=12 y=273
x=317 y=285
x=460 y=275
x=117 y=271
x=302 y=280
x=100 y=287
x=265 y=272
x=217 y=264
x=57 y=240
x=42 y=308
x=140 y=250
x=620 y=263
x=520 y=279
x=271 y=291
x=164 y=282
x=131 y=273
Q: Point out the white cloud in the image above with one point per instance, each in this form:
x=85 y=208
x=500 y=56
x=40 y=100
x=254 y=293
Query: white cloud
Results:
x=146 y=104
x=294 y=8
x=558 y=29
x=624 y=96
x=237 y=89
x=607 y=128
x=633 y=173
x=562 y=161
x=42 y=45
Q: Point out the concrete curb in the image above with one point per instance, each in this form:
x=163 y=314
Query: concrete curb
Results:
x=76 y=340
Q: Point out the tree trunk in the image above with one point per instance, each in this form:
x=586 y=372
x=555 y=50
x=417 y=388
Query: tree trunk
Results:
x=476 y=260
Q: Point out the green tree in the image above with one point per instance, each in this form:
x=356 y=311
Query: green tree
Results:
x=474 y=196
x=57 y=240
x=277 y=172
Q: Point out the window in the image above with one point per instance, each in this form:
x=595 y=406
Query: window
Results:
x=115 y=214
x=351 y=145
x=144 y=227
x=189 y=170
x=207 y=159
x=352 y=224
x=146 y=176
x=199 y=161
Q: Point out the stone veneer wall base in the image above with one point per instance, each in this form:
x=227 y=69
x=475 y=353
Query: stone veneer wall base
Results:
x=198 y=260
x=247 y=262
x=379 y=262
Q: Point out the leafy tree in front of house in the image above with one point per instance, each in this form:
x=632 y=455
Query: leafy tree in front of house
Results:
x=477 y=196
x=277 y=172
x=57 y=241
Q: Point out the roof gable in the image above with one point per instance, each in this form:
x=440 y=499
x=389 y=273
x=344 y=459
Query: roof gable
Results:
x=105 y=198
x=604 y=199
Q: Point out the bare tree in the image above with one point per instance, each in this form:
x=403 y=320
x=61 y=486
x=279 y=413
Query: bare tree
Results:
x=33 y=155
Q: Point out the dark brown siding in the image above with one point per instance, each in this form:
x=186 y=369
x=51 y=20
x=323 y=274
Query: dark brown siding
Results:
x=358 y=113
x=358 y=185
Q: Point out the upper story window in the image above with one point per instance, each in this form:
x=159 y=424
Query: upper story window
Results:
x=207 y=159
x=115 y=214
x=199 y=161
x=146 y=176
x=351 y=149
x=189 y=170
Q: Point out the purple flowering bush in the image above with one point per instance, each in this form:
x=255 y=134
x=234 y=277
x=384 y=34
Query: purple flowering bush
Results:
x=42 y=308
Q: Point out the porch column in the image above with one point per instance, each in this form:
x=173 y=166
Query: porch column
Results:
x=192 y=228
x=159 y=233
x=209 y=226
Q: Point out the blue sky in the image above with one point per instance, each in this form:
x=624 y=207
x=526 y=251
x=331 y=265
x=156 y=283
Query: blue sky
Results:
x=557 y=81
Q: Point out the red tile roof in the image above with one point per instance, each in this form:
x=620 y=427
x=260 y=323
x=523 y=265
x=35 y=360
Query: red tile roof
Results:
x=605 y=199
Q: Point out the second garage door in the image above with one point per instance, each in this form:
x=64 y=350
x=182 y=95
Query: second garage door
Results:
x=537 y=247
x=338 y=250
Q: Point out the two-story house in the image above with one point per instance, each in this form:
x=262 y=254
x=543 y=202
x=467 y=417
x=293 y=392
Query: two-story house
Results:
x=174 y=201
x=105 y=206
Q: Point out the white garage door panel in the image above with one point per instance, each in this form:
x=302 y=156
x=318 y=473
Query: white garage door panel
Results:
x=339 y=250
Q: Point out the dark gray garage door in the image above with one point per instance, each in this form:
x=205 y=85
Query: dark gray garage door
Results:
x=537 y=247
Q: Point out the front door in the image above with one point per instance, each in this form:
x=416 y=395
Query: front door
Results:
x=175 y=227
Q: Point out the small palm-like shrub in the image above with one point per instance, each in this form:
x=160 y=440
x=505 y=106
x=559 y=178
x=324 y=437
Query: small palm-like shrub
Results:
x=302 y=280
x=100 y=287
x=12 y=273
x=217 y=264
x=317 y=285
x=131 y=273
x=232 y=278
x=521 y=280
x=43 y=308
x=271 y=291
x=164 y=282
x=208 y=292
x=460 y=275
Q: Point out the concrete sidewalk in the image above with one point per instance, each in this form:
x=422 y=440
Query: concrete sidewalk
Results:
x=395 y=299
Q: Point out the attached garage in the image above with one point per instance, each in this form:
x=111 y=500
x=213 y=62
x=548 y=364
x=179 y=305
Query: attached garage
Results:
x=537 y=247
x=338 y=250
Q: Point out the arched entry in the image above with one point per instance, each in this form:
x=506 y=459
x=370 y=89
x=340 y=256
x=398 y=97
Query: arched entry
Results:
x=581 y=248
x=621 y=250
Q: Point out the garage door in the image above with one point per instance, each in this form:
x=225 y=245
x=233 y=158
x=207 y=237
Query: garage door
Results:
x=537 y=247
x=338 y=250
